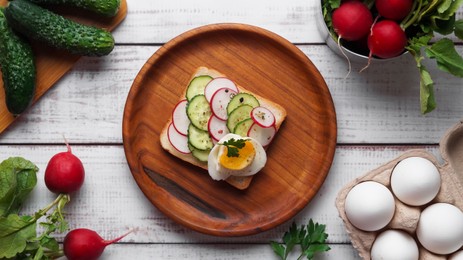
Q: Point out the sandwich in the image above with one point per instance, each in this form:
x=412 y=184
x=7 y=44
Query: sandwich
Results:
x=222 y=127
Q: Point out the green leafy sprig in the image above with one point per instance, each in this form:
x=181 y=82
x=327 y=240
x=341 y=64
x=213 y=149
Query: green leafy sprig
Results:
x=233 y=145
x=311 y=238
x=18 y=233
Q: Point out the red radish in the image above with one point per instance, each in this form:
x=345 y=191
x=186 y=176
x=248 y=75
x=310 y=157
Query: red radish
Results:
x=263 y=117
x=263 y=135
x=219 y=102
x=394 y=9
x=86 y=244
x=180 y=118
x=217 y=128
x=352 y=20
x=177 y=140
x=216 y=84
x=387 y=39
x=64 y=173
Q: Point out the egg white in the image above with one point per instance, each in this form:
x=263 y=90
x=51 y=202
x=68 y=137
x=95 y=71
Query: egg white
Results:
x=218 y=172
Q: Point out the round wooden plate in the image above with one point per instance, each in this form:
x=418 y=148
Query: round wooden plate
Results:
x=299 y=158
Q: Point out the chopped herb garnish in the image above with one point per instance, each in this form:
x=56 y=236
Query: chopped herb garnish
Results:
x=233 y=145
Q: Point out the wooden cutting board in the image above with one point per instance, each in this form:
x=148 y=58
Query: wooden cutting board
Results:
x=52 y=64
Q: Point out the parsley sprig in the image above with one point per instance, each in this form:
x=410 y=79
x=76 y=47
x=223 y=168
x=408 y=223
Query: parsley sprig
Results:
x=233 y=145
x=311 y=238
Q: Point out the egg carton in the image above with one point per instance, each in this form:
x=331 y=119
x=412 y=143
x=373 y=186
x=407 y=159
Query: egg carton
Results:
x=406 y=217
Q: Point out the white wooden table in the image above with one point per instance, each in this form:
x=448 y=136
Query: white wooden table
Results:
x=378 y=118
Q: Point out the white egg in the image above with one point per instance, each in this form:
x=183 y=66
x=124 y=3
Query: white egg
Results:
x=440 y=228
x=393 y=245
x=415 y=181
x=218 y=172
x=457 y=256
x=369 y=206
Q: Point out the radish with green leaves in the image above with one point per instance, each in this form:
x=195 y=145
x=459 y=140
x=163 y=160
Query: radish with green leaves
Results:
x=387 y=39
x=352 y=20
x=86 y=244
x=394 y=9
x=64 y=173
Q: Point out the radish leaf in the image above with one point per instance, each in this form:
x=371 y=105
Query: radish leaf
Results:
x=447 y=57
x=17 y=179
x=427 y=101
x=15 y=232
x=459 y=29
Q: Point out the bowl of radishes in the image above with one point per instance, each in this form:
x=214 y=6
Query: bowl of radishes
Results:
x=366 y=30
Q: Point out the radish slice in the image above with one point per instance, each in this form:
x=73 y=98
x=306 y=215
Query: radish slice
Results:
x=178 y=141
x=263 y=117
x=219 y=102
x=264 y=135
x=217 y=128
x=217 y=84
x=179 y=117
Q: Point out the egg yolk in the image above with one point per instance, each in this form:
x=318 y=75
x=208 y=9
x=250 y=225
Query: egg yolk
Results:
x=245 y=157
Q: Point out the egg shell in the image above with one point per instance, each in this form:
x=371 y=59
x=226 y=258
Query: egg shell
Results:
x=415 y=181
x=406 y=217
x=457 y=255
x=369 y=206
x=394 y=244
x=440 y=229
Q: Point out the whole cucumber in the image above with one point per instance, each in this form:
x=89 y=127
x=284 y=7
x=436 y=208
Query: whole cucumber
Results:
x=18 y=68
x=106 y=8
x=43 y=25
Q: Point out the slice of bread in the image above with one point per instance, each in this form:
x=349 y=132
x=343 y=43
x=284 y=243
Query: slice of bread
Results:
x=239 y=182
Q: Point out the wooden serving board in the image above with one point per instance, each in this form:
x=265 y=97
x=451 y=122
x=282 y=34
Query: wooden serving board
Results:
x=52 y=64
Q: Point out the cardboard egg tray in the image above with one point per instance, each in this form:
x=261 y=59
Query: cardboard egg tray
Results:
x=406 y=217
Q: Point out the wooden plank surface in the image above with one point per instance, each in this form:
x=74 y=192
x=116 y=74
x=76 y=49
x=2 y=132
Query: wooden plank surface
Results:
x=380 y=105
x=111 y=203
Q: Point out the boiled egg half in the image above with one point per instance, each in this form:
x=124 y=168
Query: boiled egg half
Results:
x=234 y=155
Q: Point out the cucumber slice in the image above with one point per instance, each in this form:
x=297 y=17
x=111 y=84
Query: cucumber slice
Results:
x=201 y=155
x=199 y=111
x=197 y=86
x=237 y=115
x=242 y=99
x=242 y=128
x=199 y=139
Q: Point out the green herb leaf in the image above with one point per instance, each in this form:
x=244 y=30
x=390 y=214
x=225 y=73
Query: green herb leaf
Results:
x=15 y=232
x=279 y=249
x=427 y=101
x=17 y=179
x=447 y=57
x=311 y=238
x=459 y=29
x=233 y=145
